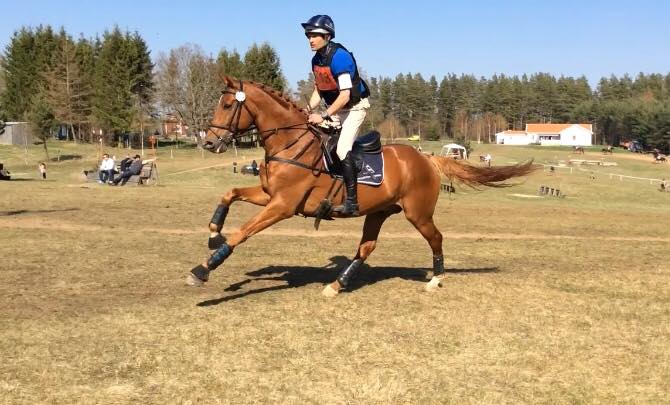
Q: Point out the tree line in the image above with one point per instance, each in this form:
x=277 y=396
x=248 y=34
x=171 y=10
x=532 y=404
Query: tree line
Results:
x=51 y=80
x=109 y=85
x=474 y=109
x=106 y=86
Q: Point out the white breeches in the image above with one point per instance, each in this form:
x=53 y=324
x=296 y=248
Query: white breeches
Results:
x=350 y=121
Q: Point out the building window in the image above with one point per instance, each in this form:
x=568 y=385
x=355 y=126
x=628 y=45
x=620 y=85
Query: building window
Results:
x=574 y=137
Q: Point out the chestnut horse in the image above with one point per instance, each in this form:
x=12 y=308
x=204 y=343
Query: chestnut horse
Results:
x=294 y=182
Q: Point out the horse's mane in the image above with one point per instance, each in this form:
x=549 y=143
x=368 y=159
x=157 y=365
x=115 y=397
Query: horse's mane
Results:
x=283 y=99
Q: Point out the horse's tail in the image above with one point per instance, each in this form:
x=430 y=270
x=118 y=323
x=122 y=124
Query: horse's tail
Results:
x=474 y=176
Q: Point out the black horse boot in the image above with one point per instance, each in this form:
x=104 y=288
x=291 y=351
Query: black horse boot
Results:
x=350 y=206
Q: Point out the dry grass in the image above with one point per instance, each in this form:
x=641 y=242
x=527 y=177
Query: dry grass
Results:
x=546 y=300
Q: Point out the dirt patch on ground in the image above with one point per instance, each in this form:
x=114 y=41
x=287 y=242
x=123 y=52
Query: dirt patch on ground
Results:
x=55 y=224
x=628 y=156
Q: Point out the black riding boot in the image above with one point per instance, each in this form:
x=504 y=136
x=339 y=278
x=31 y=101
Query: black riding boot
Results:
x=350 y=206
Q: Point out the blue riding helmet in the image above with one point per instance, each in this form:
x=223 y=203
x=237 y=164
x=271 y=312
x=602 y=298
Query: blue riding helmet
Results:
x=320 y=24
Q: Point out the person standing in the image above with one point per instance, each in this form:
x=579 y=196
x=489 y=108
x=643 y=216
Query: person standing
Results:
x=42 y=167
x=487 y=159
x=339 y=85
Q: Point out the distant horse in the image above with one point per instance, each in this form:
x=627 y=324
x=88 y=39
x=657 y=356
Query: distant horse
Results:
x=578 y=149
x=294 y=180
x=607 y=149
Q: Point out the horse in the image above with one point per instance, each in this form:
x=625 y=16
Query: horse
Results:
x=578 y=149
x=607 y=150
x=294 y=180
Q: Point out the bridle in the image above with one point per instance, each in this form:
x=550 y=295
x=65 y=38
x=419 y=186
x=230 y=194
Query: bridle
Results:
x=233 y=128
x=234 y=122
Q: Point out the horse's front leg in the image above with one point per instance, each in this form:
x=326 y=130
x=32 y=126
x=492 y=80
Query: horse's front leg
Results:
x=271 y=214
x=254 y=195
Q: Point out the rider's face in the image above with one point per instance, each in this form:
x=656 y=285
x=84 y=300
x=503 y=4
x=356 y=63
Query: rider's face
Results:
x=316 y=41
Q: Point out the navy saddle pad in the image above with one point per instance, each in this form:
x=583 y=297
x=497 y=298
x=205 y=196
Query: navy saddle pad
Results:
x=369 y=160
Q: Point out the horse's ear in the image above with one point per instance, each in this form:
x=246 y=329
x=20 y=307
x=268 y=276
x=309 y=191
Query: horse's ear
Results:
x=229 y=81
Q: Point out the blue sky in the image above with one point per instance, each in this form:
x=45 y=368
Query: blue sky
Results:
x=573 y=38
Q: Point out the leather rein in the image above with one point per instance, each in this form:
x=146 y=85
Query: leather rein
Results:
x=233 y=127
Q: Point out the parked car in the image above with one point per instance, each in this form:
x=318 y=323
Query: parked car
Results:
x=414 y=138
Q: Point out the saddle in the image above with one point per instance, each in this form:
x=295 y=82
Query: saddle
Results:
x=366 y=151
x=368 y=159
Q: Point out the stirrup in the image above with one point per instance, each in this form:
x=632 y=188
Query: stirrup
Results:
x=348 y=209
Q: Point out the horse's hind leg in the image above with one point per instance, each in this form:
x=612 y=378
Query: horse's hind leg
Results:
x=423 y=222
x=254 y=195
x=372 y=226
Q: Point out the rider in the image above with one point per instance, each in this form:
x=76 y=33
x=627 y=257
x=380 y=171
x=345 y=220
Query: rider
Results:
x=339 y=85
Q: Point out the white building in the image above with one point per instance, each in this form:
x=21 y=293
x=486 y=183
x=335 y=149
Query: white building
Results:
x=548 y=134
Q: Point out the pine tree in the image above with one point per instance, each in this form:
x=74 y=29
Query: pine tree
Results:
x=375 y=114
x=3 y=86
x=123 y=82
x=230 y=64
x=262 y=65
x=385 y=96
x=63 y=84
x=85 y=58
x=446 y=104
x=28 y=54
x=41 y=117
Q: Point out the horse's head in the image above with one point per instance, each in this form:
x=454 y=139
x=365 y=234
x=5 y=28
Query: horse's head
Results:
x=232 y=117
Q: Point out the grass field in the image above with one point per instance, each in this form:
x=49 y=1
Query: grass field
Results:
x=546 y=300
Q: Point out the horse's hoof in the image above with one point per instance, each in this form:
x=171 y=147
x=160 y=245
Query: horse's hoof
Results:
x=329 y=291
x=194 y=281
x=215 y=242
x=434 y=284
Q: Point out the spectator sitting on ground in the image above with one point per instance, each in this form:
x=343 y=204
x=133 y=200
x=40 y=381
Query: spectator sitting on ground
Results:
x=106 y=169
x=134 y=169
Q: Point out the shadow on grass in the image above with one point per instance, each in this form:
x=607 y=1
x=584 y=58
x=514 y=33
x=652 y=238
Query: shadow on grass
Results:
x=20 y=212
x=300 y=276
x=63 y=158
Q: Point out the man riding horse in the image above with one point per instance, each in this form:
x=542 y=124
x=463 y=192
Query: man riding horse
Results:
x=294 y=179
x=339 y=85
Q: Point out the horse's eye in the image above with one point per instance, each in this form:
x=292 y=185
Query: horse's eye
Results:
x=227 y=106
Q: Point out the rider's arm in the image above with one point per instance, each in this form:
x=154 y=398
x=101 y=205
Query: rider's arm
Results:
x=341 y=100
x=315 y=99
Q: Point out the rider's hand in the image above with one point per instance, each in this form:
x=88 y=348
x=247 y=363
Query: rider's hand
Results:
x=315 y=119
